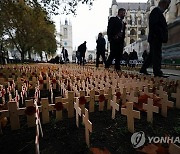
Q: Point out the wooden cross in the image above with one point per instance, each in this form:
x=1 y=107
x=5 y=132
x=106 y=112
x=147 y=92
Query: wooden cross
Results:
x=150 y=109
x=124 y=95
x=88 y=126
x=131 y=97
x=146 y=91
x=115 y=106
x=78 y=111
x=131 y=114
x=30 y=119
x=164 y=104
x=177 y=96
x=160 y=92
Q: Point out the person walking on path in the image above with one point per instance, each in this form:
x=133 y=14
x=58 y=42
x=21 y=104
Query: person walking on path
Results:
x=158 y=34
x=116 y=35
x=82 y=50
x=100 y=49
x=144 y=55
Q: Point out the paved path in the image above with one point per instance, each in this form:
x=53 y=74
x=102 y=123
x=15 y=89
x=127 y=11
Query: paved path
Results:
x=168 y=72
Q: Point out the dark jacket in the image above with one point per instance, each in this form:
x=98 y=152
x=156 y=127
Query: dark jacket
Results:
x=100 y=44
x=157 y=26
x=82 y=49
x=115 y=31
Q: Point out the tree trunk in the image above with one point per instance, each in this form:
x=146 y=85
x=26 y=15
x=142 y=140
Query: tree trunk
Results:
x=29 y=55
x=46 y=57
x=22 y=57
x=41 y=56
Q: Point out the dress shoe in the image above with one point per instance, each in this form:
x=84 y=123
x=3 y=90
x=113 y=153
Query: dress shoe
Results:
x=144 y=72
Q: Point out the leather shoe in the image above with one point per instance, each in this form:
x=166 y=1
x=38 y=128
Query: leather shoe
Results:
x=144 y=72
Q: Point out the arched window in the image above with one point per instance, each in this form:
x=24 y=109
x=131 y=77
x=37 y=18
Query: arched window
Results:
x=65 y=33
x=132 y=41
x=132 y=32
x=90 y=57
x=142 y=32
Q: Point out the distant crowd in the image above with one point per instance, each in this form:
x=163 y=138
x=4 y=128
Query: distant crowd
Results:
x=158 y=34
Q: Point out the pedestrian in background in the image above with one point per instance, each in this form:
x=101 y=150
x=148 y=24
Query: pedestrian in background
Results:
x=144 y=55
x=116 y=34
x=82 y=50
x=101 y=43
x=158 y=34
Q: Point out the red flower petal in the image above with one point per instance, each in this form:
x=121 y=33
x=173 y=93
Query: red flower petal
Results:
x=101 y=98
x=30 y=110
x=82 y=100
x=59 y=106
x=118 y=95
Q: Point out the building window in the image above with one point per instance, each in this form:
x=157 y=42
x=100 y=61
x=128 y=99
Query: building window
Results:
x=139 y=22
x=142 y=32
x=65 y=33
x=132 y=32
x=65 y=43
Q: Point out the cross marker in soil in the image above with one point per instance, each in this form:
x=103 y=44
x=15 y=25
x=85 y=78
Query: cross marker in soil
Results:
x=150 y=109
x=88 y=126
x=115 y=106
x=78 y=111
x=177 y=96
x=165 y=103
x=131 y=114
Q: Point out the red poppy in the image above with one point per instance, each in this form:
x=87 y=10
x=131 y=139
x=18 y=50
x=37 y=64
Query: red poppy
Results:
x=154 y=89
x=41 y=81
x=96 y=93
x=152 y=79
x=53 y=81
x=82 y=100
x=69 y=87
x=43 y=73
x=101 y=98
x=30 y=110
x=22 y=79
x=118 y=95
x=58 y=106
x=126 y=76
x=143 y=99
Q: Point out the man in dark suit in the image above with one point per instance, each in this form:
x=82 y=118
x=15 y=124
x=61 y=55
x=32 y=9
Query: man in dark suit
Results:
x=82 y=50
x=158 y=34
x=116 y=35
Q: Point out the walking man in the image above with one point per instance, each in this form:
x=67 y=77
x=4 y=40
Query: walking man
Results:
x=116 y=35
x=158 y=34
x=82 y=51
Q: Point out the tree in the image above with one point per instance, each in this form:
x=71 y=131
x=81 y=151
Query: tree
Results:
x=25 y=26
x=61 y=6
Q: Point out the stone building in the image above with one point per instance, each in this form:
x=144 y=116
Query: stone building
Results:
x=66 y=37
x=136 y=20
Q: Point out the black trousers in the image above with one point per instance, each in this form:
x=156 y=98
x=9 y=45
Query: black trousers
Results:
x=154 y=57
x=82 y=59
x=116 y=51
x=98 y=54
